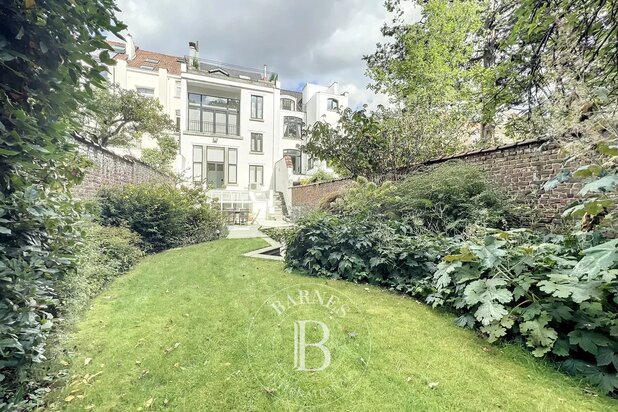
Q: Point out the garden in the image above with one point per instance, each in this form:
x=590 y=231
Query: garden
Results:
x=134 y=299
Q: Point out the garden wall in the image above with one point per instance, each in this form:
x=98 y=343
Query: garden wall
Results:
x=111 y=169
x=520 y=169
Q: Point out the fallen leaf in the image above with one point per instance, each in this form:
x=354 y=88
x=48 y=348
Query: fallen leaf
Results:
x=148 y=404
x=89 y=407
x=352 y=334
x=69 y=398
x=270 y=391
x=433 y=385
x=87 y=361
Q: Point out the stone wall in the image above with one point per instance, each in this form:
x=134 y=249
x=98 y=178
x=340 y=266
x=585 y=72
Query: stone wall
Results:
x=520 y=169
x=110 y=169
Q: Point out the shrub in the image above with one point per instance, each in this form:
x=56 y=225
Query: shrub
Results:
x=105 y=254
x=320 y=175
x=164 y=216
x=514 y=284
x=450 y=197
x=364 y=250
x=365 y=198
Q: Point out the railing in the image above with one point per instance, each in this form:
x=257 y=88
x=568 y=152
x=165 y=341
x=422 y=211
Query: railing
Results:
x=213 y=128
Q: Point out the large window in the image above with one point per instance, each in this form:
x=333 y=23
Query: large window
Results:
x=288 y=104
x=292 y=127
x=257 y=140
x=178 y=89
x=256 y=174
x=257 y=107
x=198 y=163
x=332 y=105
x=232 y=166
x=216 y=115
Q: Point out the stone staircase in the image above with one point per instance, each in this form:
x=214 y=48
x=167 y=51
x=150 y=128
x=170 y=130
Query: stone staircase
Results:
x=279 y=212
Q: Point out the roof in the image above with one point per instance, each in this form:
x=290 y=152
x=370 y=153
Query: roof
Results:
x=296 y=95
x=145 y=58
x=226 y=71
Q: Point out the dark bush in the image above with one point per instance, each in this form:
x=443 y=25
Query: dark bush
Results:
x=164 y=216
x=364 y=250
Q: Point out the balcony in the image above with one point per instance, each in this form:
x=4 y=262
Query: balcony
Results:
x=213 y=128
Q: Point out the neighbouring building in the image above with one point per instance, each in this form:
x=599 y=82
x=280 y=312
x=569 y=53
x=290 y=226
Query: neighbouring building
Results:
x=239 y=132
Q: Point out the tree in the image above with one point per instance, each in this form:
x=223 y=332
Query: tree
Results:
x=161 y=158
x=48 y=61
x=428 y=66
x=120 y=117
x=373 y=143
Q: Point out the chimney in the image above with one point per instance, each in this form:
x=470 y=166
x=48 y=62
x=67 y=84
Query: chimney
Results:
x=334 y=88
x=265 y=69
x=194 y=49
x=130 y=47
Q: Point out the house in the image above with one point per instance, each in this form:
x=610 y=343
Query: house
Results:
x=239 y=133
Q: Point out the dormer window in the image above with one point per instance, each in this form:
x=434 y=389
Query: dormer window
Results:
x=332 y=105
x=288 y=104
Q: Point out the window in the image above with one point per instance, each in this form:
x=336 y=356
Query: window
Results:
x=256 y=174
x=232 y=166
x=257 y=140
x=295 y=155
x=292 y=127
x=178 y=88
x=288 y=104
x=146 y=67
x=198 y=163
x=215 y=163
x=257 y=107
x=216 y=115
x=177 y=120
x=145 y=91
x=332 y=105
x=151 y=61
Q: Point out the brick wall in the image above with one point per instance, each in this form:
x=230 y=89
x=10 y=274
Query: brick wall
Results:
x=110 y=169
x=519 y=169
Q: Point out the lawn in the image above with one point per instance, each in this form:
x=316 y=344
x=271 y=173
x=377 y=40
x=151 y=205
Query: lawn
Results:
x=204 y=328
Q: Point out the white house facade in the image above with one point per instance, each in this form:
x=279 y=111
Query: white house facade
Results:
x=239 y=133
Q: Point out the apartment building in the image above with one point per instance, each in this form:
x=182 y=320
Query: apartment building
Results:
x=234 y=124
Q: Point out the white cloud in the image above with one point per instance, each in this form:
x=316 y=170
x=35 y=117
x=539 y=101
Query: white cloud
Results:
x=319 y=41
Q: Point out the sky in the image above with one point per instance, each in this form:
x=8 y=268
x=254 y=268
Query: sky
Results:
x=318 y=41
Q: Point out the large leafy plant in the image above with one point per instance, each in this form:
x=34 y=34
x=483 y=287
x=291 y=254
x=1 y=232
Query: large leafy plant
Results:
x=560 y=296
x=51 y=55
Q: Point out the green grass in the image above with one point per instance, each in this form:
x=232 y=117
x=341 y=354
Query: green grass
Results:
x=174 y=335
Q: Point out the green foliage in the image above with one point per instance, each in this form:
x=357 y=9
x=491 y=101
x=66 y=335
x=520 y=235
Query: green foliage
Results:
x=105 y=253
x=164 y=216
x=365 y=198
x=48 y=54
x=364 y=250
x=162 y=157
x=320 y=175
x=513 y=284
x=558 y=295
x=121 y=117
x=373 y=143
x=452 y=196
x=446 y=198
